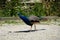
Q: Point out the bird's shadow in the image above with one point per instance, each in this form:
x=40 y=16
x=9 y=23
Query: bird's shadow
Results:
x=26 y=31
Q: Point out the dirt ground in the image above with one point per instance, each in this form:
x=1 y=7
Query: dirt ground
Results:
x=21 y=32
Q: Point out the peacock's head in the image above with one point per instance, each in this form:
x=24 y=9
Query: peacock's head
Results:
x=18 y=13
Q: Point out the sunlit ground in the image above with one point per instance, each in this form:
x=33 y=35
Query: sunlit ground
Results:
x=18 y=30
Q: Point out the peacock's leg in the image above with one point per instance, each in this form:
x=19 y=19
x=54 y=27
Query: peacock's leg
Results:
x=34 y=26
x=31 y=28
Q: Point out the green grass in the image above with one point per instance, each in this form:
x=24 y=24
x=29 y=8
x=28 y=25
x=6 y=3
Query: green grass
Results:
x=11 y=22
x=21 y=22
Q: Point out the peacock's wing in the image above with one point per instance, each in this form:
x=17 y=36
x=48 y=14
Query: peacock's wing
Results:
x=33 y=18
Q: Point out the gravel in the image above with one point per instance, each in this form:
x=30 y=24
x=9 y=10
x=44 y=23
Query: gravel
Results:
x=21 y=32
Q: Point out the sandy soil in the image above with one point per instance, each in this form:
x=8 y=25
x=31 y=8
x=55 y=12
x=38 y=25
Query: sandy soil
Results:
x=21 y=32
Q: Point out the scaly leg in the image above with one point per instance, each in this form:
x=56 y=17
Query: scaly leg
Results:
x=34 y=26
x=31 y=28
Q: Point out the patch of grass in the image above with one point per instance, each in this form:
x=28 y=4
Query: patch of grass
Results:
x=21 y=22
x=11 y=22
x=59 y=24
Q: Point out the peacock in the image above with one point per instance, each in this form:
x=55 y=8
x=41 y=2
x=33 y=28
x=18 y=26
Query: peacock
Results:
x=31 y=20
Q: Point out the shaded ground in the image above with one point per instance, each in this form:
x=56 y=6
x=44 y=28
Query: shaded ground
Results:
x=21 y=32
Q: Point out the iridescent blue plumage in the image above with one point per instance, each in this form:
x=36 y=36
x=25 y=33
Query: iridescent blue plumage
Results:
x=25 y=19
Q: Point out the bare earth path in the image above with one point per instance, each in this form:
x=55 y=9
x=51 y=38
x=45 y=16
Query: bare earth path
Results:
x=20 y=32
